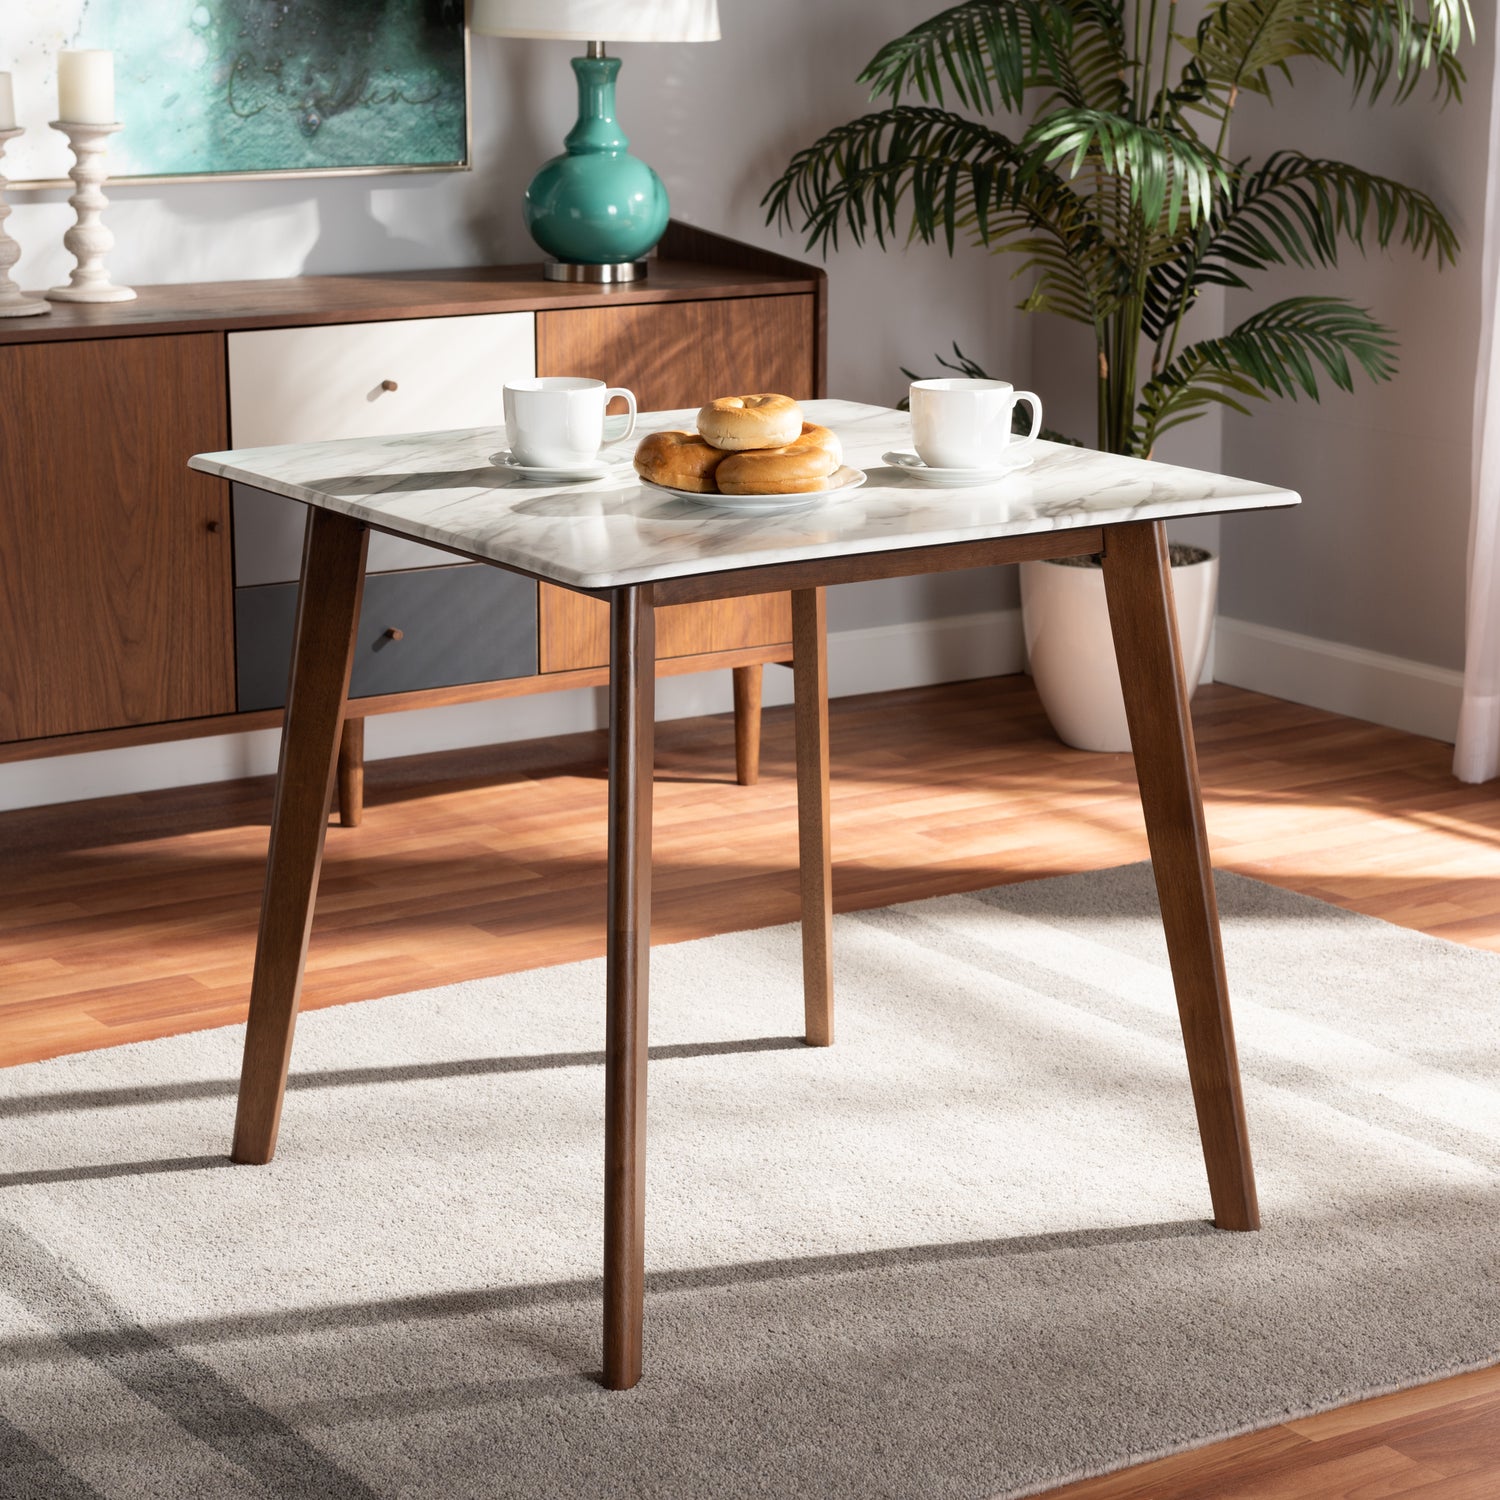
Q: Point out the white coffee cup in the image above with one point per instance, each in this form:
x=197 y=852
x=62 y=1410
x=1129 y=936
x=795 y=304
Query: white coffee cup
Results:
x=965 y=424
x=557 y=421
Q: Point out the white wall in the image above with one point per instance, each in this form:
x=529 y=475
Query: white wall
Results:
x=1374 y=559
x=719 y=122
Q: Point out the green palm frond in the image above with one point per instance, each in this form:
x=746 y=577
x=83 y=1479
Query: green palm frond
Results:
x=989 y=51
x=1080 y=54
x=1385 y=44
x=859 y=177
x=953 y=177
x=1240 y=44
x=1293 y=209
x=980 y=46
x=1275 y=352
x=1166 y=175
x=1117 y=203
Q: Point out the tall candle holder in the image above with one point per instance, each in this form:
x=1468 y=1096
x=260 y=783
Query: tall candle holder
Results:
x=13 y=302
x=88 y=240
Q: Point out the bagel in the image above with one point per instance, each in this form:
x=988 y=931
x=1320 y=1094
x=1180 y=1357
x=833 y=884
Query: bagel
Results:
x=735 y=423
x=679 y=460
x=801 y=467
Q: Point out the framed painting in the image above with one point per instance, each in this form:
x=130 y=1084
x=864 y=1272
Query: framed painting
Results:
x=249 y=88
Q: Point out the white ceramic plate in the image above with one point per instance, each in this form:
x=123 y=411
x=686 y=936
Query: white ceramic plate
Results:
x=592 y=470
x=1020 y=456
x=844 y=479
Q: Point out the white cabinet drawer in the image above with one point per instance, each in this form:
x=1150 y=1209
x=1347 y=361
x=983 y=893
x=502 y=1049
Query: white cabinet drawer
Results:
x=301 y=385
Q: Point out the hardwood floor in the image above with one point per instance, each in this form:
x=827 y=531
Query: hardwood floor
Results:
x=135 y=916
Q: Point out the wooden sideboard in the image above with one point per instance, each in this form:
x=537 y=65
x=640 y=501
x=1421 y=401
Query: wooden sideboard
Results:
x=142 y=602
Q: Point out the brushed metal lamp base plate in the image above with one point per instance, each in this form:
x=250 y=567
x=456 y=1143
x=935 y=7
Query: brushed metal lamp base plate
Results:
x=568 y=270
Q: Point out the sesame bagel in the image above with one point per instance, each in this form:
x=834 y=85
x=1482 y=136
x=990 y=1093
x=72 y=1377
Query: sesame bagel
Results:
x=735 y=423
x=679 y=460
x=801 y=467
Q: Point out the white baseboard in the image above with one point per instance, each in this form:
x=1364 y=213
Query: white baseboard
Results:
x=869 y=660
x=882 y=657
x=1389 y=690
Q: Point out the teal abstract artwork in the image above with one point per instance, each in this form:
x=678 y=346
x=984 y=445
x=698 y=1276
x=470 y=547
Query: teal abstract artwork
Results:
x=212 y=87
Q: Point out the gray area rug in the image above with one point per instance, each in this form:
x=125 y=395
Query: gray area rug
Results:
x=962 y=1253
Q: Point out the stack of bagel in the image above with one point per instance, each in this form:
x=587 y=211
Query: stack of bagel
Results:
x=744 y=445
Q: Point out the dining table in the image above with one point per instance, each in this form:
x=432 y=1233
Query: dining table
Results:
x=639 y=548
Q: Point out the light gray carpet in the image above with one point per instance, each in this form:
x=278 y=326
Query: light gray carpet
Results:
x=962 y=1253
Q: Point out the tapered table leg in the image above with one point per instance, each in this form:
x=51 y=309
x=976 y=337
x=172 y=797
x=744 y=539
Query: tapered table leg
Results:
x=810 y=688
x=747 y=687
x=333 y=572
x=352 y=774
x=632 y=706
x=1138 y=583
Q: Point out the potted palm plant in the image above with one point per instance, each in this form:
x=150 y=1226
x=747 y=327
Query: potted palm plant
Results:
x=1122 y=201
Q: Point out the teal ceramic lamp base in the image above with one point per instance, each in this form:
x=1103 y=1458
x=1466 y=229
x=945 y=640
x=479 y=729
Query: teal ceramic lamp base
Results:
x=596 y=209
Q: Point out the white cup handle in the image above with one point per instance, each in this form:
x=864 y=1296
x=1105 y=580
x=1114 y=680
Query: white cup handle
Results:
x=629 y=398
x=1036 y=412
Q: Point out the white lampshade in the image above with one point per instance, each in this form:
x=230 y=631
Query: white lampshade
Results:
x=600 y=20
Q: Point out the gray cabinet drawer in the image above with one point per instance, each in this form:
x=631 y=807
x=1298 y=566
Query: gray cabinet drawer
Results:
x=470 y=623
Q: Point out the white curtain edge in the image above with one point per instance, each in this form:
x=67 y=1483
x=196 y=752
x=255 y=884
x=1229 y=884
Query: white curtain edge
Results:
x=1476 y=751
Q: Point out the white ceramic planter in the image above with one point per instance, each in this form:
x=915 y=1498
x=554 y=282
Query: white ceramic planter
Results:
x=1072 y=652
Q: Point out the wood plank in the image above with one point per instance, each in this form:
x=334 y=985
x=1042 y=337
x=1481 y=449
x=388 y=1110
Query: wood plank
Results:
x=115 y=584
x=747 y=716
x=676 y=357
x=814 y=823
x=574 y=629
x=1143 y=621
x=351 y=773
x=306 y=301
x=686 y=353
x=388 y=703
x=333 y=576
x=896 y=562
x=632 y=717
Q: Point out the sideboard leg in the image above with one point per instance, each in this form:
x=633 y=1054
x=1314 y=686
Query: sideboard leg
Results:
x=632 y=719
x=352 y=774
x=810 y=689
x=747 y=682
x=333 y=574
x=1138 y=582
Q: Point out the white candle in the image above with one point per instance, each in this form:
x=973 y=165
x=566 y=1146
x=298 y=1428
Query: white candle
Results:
x=86 y=88
x=7 y=104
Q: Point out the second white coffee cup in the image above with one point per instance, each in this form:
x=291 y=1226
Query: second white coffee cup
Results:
x=961 y=423
x=558 y=421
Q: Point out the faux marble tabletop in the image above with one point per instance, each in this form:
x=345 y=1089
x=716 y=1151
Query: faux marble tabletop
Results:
x=442 y=487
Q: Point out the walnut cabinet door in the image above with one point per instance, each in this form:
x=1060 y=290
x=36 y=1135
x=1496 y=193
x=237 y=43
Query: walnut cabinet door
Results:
x=675 y=354
x=115 y=587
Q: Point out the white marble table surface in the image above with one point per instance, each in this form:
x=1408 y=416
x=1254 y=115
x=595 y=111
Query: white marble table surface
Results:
x=442 y=487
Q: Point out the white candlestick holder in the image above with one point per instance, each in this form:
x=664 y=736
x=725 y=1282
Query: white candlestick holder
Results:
x=13 y=302
x=88 y=240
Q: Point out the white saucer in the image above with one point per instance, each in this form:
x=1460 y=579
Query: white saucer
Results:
x=1020 y=456
x=593 y=469
x=765 y=505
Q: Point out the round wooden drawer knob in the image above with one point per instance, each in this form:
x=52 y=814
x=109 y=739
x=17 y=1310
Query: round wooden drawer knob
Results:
x=387 y=385
x=396 y=635
x=213 y=525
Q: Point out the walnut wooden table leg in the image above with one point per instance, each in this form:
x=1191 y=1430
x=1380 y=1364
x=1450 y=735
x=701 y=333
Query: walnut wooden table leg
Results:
x=1144 y=624
x=810 y=688
x=333 y=573
x=747 y=684
x=352 y=774
x=632 y=711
